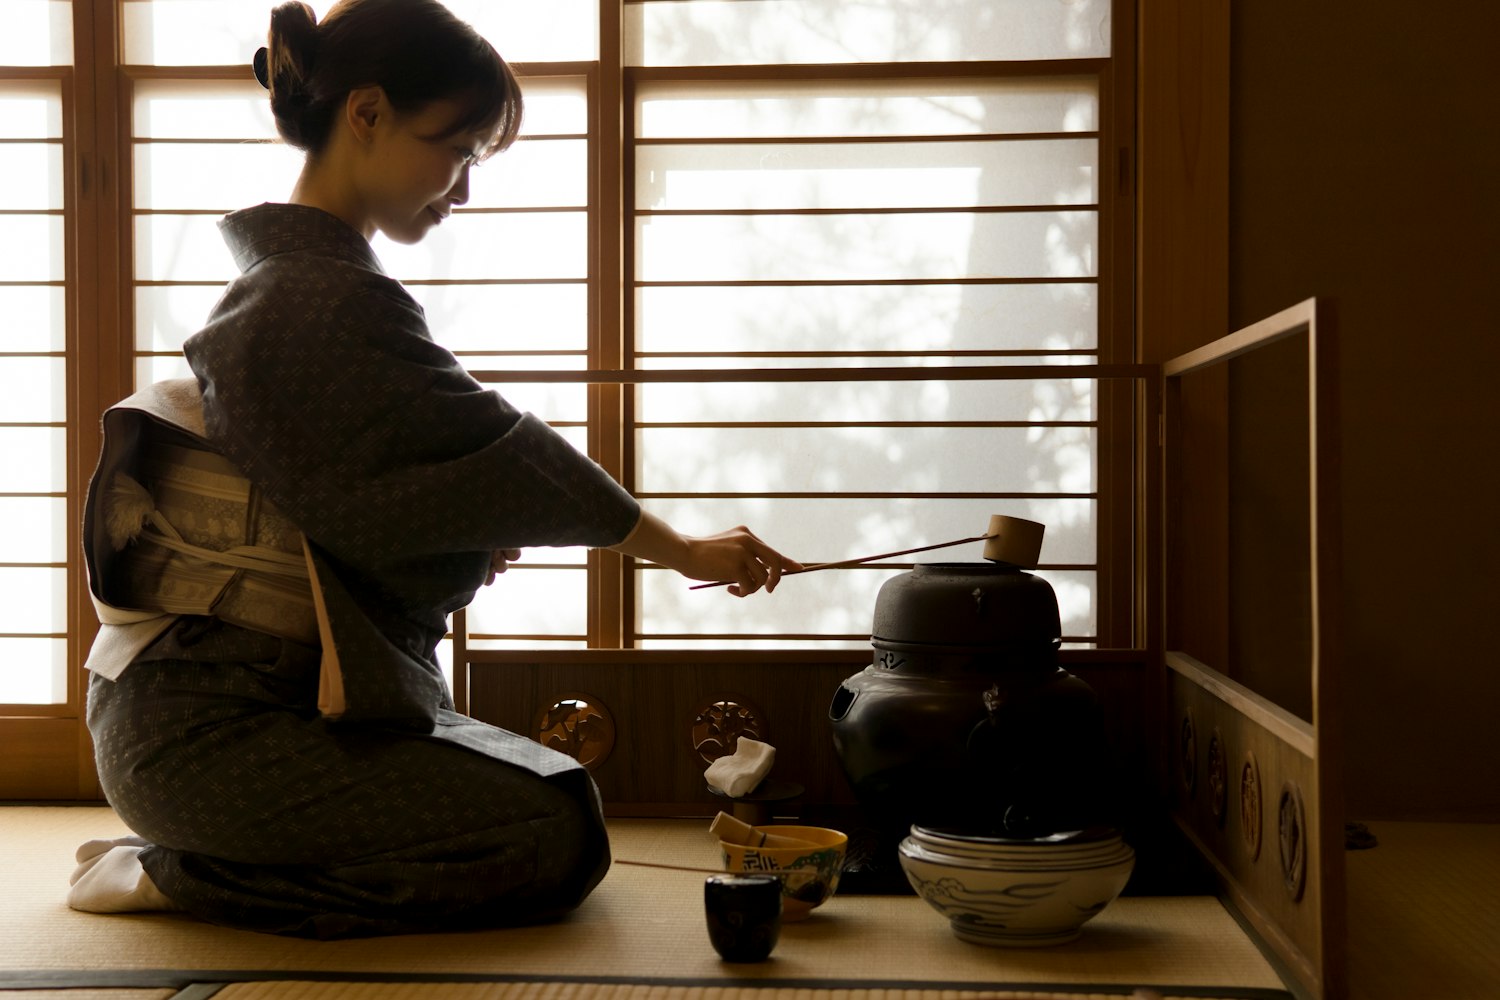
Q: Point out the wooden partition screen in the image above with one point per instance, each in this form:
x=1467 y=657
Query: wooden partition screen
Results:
x=1250 y=593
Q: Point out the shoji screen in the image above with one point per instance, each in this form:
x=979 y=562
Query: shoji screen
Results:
x=36 y=51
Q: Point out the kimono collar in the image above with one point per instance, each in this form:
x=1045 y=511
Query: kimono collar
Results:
x=253 y=234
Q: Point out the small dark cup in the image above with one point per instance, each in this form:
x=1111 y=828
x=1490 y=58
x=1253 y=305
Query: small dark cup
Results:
x=744 y=915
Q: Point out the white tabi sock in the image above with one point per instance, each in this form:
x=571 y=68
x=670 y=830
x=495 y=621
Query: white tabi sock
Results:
x=93 y=850
x=109 y=879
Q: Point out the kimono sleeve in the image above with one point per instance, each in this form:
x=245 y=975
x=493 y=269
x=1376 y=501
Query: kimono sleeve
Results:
x=375 y=440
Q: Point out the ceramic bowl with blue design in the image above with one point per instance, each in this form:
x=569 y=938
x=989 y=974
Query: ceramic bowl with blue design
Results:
x=1017 y=893
x=809 y=873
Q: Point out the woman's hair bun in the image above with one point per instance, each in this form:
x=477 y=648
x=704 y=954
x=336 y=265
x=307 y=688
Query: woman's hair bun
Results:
x=291 y=54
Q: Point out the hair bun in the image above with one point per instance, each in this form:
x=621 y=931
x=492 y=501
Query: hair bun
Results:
x=293 y=45
x=290 y=56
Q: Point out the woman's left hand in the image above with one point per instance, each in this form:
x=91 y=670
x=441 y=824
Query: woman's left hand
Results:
x=500 y=561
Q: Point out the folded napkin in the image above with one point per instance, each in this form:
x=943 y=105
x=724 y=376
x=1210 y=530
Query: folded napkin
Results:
x=739 y=772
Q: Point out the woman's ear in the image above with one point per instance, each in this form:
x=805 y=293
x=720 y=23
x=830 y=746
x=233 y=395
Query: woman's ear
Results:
x=364 y=108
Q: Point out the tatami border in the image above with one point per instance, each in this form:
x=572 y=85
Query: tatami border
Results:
x=184 y=979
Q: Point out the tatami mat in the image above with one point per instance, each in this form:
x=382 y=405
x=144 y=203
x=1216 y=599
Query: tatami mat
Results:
x=641 y=926
x=1424 y=912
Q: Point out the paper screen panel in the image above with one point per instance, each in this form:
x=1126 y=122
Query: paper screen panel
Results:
x=32 y=390
x=218 y=177
x=866 y=247
x=673 y=109
x=33 y=176
x=860 y=223
x=863 y=318
x=555 y=105
x=551 y=173
x=866 y=459
x=33 y=670
x=476 y=246
x=506 y=317
x=1059 y=399
x=33 y=600
x=37 y=33
x=225 y=32
x=35 y=460
x=567 y=32
x=166 y=315
x=976 y=173
x=177 y=248
x=202 y=109
x=35 y=317
x=37 y=527
x=718 y=32
x=31 y=247
x=532 y=602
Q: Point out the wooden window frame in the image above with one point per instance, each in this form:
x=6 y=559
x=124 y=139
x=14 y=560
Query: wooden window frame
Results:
x=96 y=164
x=1120 y=614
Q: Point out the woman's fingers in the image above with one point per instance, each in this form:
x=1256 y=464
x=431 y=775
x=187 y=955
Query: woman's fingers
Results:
x=771 y=564
x=735 y=557
x=500 y=561
x=763 y=566
x=773 y=576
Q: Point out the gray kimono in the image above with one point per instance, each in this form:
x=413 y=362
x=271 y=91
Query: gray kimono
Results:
x=322 y=387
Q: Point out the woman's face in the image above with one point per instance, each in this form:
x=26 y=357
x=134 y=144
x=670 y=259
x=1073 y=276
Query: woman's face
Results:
x=417 y=174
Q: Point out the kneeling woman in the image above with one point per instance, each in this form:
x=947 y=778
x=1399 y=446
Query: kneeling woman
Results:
x=274 y=546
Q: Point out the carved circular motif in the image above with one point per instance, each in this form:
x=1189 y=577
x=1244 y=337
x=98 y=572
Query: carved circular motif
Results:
x=1187 y=752
x=580 y=726
x=1292 y=827
x=1250 y=805
x=717 y=728
x=1218 y=776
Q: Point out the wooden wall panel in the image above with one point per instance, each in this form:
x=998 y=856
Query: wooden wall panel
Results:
x=1182 y=295
x=654 y=697
x=1243 y=838
x=1360 y=172
x=39 y=759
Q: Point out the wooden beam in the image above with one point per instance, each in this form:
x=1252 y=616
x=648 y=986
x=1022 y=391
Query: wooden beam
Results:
x=1182 y=199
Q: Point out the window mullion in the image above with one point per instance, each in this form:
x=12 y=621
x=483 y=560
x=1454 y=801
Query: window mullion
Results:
x=609 y=601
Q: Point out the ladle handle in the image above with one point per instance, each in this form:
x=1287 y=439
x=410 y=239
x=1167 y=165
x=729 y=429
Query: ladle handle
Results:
x=863 y=559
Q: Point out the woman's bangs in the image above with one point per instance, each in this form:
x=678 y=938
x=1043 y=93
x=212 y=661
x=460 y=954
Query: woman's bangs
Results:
x=493 y=104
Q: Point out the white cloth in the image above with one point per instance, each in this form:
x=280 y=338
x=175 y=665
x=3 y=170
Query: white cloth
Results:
x=739 y=772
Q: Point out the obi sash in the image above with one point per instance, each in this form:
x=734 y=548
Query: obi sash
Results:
x=171 y=528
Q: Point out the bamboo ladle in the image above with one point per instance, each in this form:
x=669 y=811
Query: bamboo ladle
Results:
x=1012 y=540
